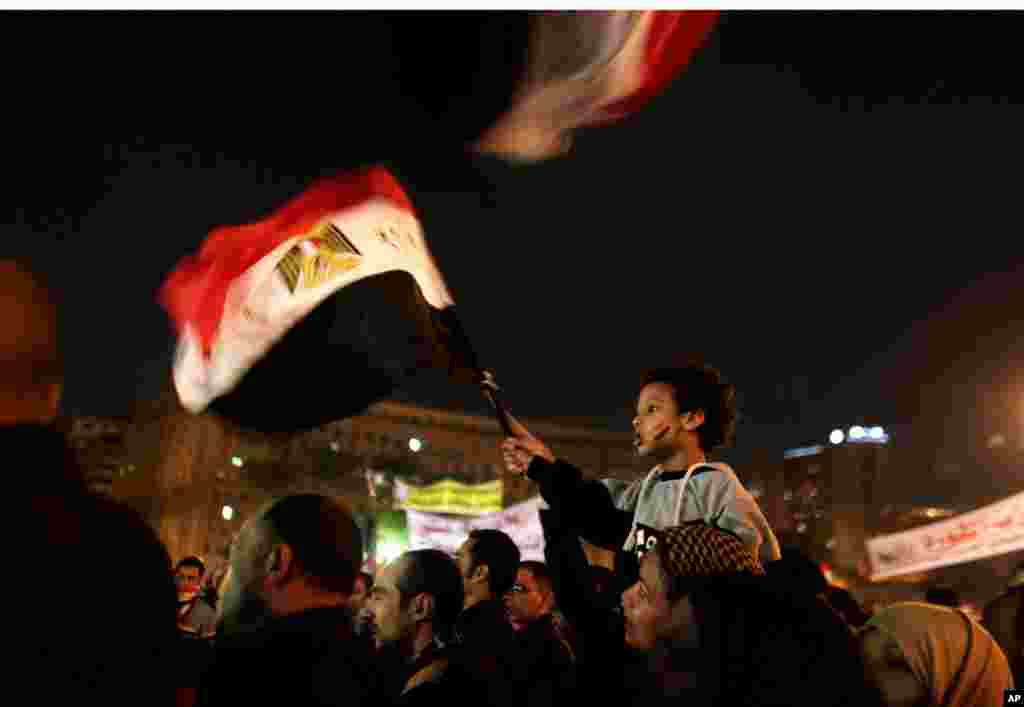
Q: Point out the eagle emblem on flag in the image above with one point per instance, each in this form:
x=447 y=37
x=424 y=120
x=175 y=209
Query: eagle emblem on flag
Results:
x=320 y=255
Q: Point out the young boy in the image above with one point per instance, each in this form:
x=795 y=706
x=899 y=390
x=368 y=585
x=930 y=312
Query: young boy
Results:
x=682 y=414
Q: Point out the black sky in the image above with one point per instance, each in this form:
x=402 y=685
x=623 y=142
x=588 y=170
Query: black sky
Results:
x=825 y=206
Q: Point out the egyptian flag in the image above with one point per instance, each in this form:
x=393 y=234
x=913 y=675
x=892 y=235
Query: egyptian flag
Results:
x=591 y=68
x=315 y=312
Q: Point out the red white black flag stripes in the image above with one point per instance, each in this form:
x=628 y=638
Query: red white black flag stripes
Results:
x=590 y=68
x=315 y=312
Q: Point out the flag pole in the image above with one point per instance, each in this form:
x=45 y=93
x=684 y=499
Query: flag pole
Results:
x=492 y=392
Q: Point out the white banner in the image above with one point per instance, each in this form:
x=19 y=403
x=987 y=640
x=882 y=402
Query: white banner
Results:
x=987 y=532
x=521 y=522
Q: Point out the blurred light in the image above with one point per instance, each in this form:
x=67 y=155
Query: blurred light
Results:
x=836 y=437
x=415 y=445
x=227 y=512
x=803 y=452
x=335 y=447
x=801 y=528
x=876 y=433
x=996 y=440
x=237 y=461
x=787 y=496
x=388 y=552
x=831 y=544
x=856 y=432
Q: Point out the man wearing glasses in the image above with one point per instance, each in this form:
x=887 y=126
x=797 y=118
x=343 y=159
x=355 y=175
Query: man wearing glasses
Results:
x=530 y=602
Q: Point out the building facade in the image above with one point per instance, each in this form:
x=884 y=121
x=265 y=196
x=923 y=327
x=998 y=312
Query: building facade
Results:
x=197 y=479
x=831 y=501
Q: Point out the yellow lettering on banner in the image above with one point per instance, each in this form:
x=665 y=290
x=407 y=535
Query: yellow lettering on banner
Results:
x=455 y=498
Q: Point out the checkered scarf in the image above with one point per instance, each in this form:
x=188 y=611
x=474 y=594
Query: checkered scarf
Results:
x=699 y=550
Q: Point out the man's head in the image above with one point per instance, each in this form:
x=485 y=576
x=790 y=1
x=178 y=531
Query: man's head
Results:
x=360 y=591
x=31 y=374
x=488 y=561
x=416 y=598
x=302 y=552
x=683 y=409
x=532 y=596
x=188 y=576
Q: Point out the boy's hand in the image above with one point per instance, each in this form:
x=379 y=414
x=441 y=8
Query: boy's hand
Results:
x=520 y=450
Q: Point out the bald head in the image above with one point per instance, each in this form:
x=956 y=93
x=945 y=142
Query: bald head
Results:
x=31 y=376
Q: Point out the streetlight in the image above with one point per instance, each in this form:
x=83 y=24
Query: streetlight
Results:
x=836 y=437
x=237 y=461
x=876 y=433
x=415 y=444
x=857 y=432
x=227 y=512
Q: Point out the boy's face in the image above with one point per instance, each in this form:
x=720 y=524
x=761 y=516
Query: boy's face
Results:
x=658 y=426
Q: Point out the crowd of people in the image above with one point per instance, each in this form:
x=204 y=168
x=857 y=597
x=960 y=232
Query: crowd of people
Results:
x=703 y=605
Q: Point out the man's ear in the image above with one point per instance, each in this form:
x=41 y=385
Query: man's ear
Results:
x=481 y=573
x=693 y=419
x=280 y=564
x=422 y=607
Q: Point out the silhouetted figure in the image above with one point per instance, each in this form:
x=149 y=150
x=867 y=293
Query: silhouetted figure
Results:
x=286 y=633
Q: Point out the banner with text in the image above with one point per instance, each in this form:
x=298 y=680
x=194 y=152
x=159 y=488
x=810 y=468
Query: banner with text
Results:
x=520 y=522
x=450 y=497
x=993 y=530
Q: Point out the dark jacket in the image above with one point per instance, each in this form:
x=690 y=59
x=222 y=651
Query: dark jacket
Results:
x=543 y=653
x=485 y=636
x=303 y=660
x=1004 y=619
x=599 y=672
x=585 y=504
x=546 y=661
x=485 y=652
x=429 y=676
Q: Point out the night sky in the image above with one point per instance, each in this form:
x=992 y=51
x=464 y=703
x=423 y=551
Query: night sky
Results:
x=826 y=206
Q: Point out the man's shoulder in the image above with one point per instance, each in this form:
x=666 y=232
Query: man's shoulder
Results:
x=1008 y=600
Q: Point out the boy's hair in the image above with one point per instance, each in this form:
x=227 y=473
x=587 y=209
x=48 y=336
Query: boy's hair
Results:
x=700 y=387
